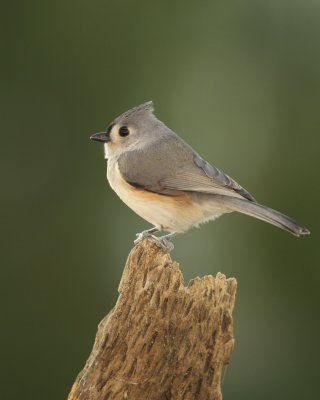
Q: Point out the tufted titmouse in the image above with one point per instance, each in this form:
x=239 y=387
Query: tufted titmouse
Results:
x=167 y=183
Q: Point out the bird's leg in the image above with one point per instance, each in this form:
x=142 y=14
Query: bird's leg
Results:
x=146 y=234
x=165 y=241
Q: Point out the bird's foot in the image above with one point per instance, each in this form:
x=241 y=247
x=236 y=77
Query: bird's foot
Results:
x=164 y=242
x=146 y=234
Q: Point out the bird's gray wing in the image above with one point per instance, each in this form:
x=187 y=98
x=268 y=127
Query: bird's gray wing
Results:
x=171 y=166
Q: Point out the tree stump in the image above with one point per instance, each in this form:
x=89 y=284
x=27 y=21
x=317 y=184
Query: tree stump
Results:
x=162 y=340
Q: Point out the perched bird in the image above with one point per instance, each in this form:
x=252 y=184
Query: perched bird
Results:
x=160 y=177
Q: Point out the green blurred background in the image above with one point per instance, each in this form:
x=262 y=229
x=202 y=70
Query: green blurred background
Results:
x=240 y=81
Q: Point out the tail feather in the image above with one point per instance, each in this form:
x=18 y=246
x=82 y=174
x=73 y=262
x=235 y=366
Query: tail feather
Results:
x=265 y=214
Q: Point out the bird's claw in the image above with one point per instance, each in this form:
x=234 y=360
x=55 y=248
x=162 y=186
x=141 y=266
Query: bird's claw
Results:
x=163 y=243
x=145 y=234
x=142 y=235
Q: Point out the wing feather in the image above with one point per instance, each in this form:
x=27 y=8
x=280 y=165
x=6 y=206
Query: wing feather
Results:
x=171 y=166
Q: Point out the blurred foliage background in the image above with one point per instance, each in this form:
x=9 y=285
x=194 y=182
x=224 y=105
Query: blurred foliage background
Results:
x=240 y=81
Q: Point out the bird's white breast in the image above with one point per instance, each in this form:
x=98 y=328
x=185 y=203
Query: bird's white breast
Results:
x=170 y=213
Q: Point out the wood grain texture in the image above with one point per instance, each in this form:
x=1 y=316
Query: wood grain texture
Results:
x=162 y=340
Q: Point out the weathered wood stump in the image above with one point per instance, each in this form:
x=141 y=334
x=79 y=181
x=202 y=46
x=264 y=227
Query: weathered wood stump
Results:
x=161 y=340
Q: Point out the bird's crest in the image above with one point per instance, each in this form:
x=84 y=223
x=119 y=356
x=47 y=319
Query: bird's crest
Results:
x=148 y=106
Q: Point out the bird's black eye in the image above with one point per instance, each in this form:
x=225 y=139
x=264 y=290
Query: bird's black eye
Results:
x=124 y=131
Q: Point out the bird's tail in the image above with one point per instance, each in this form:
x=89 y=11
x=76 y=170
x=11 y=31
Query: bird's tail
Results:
x=265 y=214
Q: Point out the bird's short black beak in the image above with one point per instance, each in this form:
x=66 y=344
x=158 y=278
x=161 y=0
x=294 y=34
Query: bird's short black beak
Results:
x=100 y=137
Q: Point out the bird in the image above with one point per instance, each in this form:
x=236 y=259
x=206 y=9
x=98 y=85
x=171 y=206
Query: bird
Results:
x=167 y=183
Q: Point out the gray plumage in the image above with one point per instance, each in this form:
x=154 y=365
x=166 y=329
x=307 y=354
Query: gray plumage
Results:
x=190 y=172
x=154 y=159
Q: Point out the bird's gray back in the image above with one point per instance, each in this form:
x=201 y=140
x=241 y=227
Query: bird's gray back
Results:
x=169 y=165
